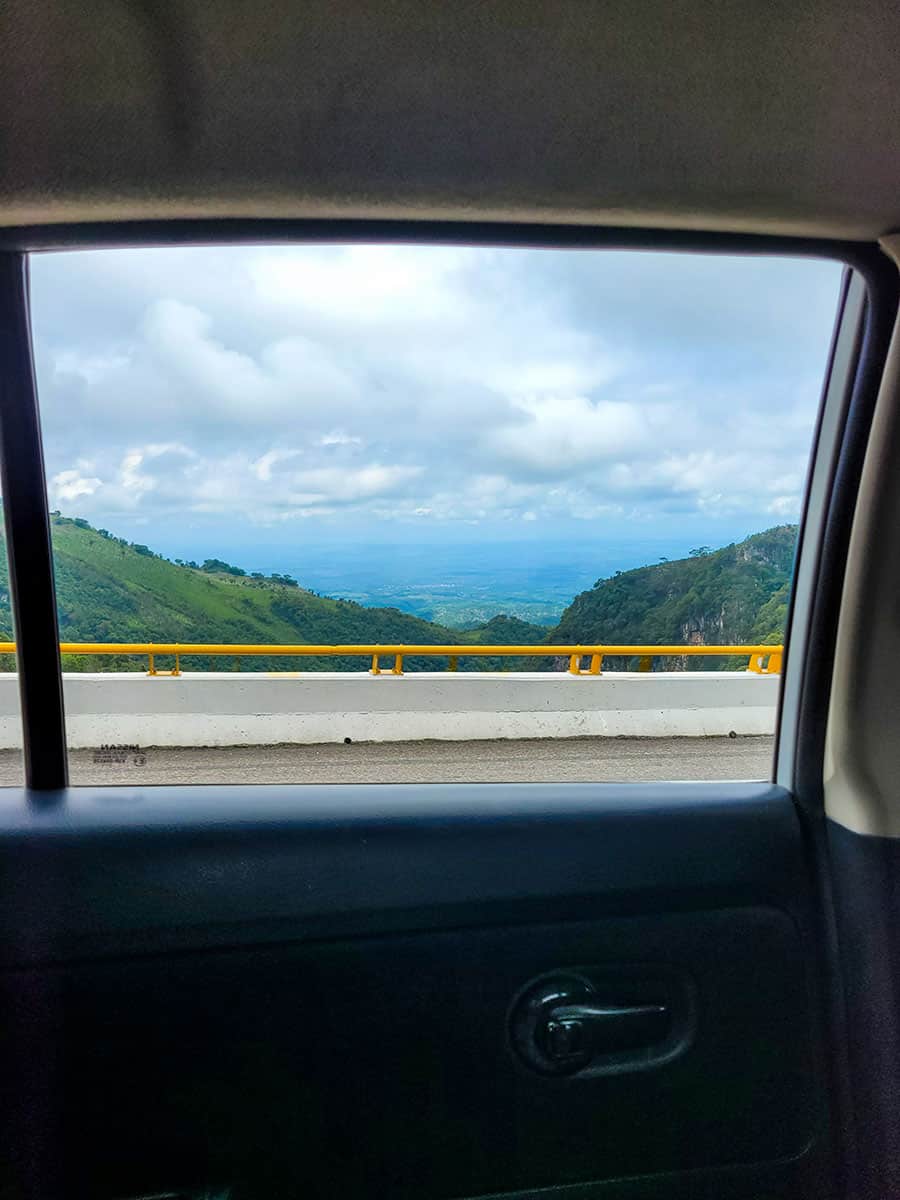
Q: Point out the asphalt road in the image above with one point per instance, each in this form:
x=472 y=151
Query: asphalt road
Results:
x=537 y=760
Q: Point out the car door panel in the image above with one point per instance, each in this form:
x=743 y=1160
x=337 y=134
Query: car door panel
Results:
x=343 y=1028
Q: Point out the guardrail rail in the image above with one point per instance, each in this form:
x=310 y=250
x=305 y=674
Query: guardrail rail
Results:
x=762 y=660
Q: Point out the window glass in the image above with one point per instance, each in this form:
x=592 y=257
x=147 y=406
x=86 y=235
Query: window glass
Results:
x=578 y=474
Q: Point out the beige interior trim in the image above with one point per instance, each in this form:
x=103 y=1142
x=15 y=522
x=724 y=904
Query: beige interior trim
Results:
x=862 y=752
x=890 y=244
x=760 y=116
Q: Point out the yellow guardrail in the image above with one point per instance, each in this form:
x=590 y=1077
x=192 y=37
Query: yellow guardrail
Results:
x=762 y=660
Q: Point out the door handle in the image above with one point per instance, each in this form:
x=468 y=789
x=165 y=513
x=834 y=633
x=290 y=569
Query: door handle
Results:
x=576 y=1032
x=561 y=1025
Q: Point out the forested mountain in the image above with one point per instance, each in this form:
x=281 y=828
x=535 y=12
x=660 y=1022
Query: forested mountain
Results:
x=506 y=631
x=738 y=594
x=111 y=590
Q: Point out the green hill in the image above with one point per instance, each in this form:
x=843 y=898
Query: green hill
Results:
x=503 y=630
x=738 y=594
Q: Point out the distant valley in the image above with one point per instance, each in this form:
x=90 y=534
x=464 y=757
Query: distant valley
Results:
x=463 y=585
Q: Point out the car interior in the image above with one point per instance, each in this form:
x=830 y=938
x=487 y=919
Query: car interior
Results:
x=382 y=990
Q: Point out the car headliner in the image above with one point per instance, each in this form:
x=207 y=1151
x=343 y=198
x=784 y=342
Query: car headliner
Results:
x=729 y=115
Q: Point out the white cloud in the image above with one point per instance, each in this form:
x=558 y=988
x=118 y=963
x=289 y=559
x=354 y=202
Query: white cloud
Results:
x=358 y=284
x=182 y=336
x=68 y=486
x=334 y=484
x=785 y=506
x=561 y=435
x=264 y=464
x=337 y=437
x=91 y=368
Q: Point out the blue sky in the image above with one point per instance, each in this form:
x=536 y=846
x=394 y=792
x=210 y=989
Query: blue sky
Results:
x=244 y=400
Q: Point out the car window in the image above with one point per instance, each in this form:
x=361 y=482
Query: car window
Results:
x=413 y=513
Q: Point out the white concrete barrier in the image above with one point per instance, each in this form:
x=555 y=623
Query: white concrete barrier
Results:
x=252 y=708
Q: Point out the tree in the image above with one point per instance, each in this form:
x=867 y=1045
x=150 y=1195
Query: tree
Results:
x=217 y=566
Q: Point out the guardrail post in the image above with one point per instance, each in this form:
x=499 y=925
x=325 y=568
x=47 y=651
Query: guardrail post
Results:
x=453 y=663
x=596 y=663
x=773 y=666
x=177 y=670
x=755 y=664
x=645 y=663
x=375 y=669
x=152 y=670
x=397 y=668
x=574 y=664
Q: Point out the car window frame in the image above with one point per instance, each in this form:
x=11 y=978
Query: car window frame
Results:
x=850 y=388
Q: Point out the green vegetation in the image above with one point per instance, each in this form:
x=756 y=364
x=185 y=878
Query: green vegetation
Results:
x=111 y=590
x=503 y=631
x=738 y=594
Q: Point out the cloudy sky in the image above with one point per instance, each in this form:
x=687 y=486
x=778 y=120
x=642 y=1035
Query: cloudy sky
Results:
x=210 y=400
